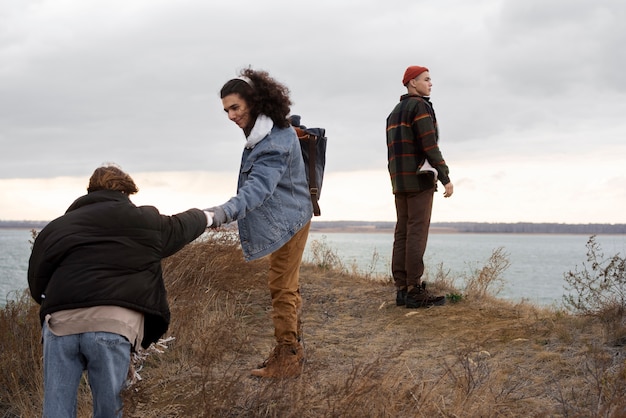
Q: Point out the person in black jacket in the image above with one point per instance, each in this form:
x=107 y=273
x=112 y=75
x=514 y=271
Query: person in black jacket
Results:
x=96 y=272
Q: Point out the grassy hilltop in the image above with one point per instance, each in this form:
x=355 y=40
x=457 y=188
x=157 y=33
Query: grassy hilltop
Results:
x=475 y=357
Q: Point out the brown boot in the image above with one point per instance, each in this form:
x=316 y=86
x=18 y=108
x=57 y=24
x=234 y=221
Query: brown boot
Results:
x=285 y=361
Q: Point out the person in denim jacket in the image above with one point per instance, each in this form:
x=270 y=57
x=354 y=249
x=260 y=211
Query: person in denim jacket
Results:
x=272 y=207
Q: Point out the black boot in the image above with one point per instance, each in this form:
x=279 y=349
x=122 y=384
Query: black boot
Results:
x=401 y=297
x=419 y=297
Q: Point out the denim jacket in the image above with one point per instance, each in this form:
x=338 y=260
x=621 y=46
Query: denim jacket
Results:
x=273 y=200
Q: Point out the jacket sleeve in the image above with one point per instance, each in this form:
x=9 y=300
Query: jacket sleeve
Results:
x=425 y=132
x=40 y=269
x=180 y=229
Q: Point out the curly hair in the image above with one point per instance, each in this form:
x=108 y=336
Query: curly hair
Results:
x=111 y=177
x=265 y=95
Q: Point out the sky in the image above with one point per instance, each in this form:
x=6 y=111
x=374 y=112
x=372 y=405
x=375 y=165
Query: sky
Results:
x=530 y=99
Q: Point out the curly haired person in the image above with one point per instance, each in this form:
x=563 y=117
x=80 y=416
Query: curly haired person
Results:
x=272 y=206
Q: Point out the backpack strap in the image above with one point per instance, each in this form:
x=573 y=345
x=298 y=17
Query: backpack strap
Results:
x=311 y=141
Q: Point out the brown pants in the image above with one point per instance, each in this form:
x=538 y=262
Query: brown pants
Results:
x=284 y=285
x=413 y=212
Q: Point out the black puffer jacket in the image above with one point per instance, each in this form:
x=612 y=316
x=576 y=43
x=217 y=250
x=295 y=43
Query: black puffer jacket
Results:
x=107 y=251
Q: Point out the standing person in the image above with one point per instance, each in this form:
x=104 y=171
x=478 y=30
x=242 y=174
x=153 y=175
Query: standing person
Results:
x=272 y=207
x=96 y=272
x=415 y=164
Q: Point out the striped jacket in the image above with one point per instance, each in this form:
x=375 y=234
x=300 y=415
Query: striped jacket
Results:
x=412 y=137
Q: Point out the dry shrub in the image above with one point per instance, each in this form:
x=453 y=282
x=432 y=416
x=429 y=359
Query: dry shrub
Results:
x=21 y=380
x=325 y=257
x=21 y=361
x=487 y=281
x=599 y=291
x=601 y=391
x=442 y=282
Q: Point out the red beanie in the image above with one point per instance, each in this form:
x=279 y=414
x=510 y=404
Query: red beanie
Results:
x=412 y=72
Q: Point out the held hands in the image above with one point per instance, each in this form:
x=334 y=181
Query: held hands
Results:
x=210 y=215
x=218 y=214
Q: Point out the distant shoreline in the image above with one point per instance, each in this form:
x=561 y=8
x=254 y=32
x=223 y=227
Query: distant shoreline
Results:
x=446 y=231
x=387 y=227
x=472 y=227
x=374 y=230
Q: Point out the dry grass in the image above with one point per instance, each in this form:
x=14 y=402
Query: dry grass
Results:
x=480 y=357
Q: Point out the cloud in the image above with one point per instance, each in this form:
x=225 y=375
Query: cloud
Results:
x=136 y=82
x=557 y=47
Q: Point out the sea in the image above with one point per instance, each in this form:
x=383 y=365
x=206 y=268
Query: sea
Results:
x=537 y=262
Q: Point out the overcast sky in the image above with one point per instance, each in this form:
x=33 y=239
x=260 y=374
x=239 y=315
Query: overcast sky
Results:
x=530 y=97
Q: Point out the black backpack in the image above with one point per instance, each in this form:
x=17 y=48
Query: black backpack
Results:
x=313 y=145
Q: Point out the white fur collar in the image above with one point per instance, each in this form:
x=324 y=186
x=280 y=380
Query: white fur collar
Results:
x=261 y=128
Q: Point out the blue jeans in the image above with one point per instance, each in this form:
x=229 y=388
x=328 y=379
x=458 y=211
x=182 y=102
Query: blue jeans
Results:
x=105 y=356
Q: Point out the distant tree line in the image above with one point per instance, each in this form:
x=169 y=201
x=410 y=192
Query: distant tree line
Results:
x=535 y=228
x=475 y=227
x=23 y=224
x=485 y=227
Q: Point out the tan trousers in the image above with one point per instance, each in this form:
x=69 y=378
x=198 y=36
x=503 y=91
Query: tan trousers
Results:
x=284 y=285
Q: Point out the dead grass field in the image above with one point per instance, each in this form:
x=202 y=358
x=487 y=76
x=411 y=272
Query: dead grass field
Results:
x=480 y=357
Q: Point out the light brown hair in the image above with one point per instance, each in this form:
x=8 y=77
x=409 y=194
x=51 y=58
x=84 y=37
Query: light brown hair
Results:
x=111 y=177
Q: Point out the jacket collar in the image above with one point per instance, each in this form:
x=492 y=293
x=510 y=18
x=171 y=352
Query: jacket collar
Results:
x=408 y=96
x=97 y=197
